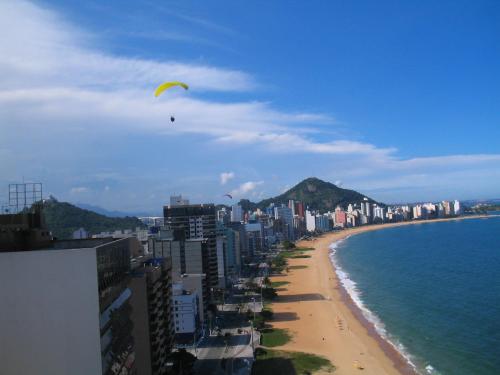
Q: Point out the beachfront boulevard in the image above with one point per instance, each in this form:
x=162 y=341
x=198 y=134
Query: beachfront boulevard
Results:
x=218 y=355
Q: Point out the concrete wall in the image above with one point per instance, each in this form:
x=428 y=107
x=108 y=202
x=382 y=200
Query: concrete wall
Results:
x=49 y=314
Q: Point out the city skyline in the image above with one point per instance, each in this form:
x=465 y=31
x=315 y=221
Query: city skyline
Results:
x=394 y=101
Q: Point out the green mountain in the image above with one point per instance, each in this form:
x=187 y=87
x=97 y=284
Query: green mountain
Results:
x=62 y=219
x=317 y=195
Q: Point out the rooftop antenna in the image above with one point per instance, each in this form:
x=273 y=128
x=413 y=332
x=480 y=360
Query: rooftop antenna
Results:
x=23 y=196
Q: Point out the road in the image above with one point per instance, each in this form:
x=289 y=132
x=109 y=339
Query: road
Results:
x=217 y=358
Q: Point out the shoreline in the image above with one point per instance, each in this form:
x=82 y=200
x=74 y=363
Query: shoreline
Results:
x=316 y=305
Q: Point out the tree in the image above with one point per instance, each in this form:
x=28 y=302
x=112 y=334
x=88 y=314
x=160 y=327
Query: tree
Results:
x=183 y=362
x=288 y=245
x=267 y=281
x=269 y=293
x=267 y=314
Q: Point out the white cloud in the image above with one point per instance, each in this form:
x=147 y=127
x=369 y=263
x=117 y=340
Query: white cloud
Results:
x=56 y=85
x=225 y=177
x=79 y=190
x=48 y=66
x=246 y=188
x=39 y=47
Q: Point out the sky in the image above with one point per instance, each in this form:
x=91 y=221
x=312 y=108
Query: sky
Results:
x=398 y=100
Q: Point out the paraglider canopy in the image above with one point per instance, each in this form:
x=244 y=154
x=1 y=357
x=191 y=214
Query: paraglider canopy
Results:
x=167 y=85
x=228 y=195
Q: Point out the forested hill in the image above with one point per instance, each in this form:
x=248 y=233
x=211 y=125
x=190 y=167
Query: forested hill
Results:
x=63 y=219
x=317 y=195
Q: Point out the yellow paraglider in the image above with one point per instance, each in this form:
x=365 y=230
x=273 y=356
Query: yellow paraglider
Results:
x=165 y=86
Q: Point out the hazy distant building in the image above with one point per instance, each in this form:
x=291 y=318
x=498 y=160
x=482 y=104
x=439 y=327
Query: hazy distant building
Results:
x=236 y=213
x=378 y=214
x=299 y=209
x=80 y=234
x=232 y=252
x=310 y=221
x=255 y=237
x=178 y=200
x=223 y=216
x=340 y=217
x=285 y=214
x=323 y=223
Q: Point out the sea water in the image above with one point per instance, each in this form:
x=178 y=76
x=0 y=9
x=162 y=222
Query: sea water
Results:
x=432 y=290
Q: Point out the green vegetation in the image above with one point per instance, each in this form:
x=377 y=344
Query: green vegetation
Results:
x=278 y=284
x=304 y=248
x=261 y=318
x=271 y=337
x=63 y=219
x=269 y=293
x=298 y=267
x=288 y=245
x=272 y=362
x=484 y=208
x=300 y=256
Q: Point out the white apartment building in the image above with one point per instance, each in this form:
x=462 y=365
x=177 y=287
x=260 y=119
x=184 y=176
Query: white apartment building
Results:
x=310 y=221
x=185 y=309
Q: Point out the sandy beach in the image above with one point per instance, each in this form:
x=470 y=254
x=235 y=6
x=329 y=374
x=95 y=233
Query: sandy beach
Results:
x=323 y=320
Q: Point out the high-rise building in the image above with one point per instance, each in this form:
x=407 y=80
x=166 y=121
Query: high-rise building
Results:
x=310 y=221
x=448 y=209
x=236 y=213
x=223 y=215
x=232 y=248
x=323 y=223
x=196 y=222
x=340 y=217
x=187 y=257
x=299 y=209
x=177 y=200
x=291 y=205
x=242 y=237
x=221 y=262
x=151 y=302
x=82 y=321
x=378 y=214
x=285 y=213
x=255 y=237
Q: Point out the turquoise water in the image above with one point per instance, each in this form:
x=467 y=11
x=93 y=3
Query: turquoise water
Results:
x=433 y=290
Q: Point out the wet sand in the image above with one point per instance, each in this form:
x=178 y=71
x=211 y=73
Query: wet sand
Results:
x=324 y=320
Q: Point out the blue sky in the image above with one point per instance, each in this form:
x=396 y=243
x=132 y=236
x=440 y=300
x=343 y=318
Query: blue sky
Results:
x=398 y=100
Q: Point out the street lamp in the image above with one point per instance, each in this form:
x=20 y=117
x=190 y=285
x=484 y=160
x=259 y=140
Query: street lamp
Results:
x=261 y=300
x=253 y=300
x=251 y=336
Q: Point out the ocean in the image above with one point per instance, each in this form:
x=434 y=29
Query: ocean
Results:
x=431 y=290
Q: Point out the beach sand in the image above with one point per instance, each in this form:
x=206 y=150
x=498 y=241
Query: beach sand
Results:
x=322 y=318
